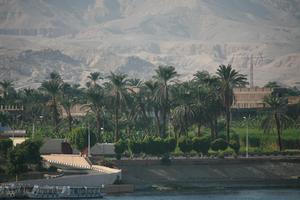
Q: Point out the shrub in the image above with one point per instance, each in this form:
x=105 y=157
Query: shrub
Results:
x=154 y=146
x=253 y=141
x=147 y=145
x=212 y=153
x=235 y=145
x=201 y=144
x=228 y=151
x=222 y=136
x=185 y=144
x=78 y=138
x=235 y=137
x=120 y=147
x=219 y=144
x=107 y=163
x=118 y=156
x=5 y=145
x=159 y=146
x=136 y=147
x=290 y=143
x=52 y=169
x=221 y=154
x=170 y=144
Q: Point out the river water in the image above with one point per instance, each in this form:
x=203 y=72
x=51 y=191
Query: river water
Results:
x=275 y=194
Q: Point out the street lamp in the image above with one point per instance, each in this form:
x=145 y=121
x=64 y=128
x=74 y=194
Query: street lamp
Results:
x=247 y=136
x=33 y=125
x=102 y=129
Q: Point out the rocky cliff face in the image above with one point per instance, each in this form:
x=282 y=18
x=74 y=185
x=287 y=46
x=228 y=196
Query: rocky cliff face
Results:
x=76 y=37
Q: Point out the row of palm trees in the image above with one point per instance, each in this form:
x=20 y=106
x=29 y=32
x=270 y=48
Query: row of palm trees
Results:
x=151 y=106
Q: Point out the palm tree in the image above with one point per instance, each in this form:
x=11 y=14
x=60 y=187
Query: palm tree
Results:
x=152 y=104
x=207 y=101
x=198 y=82
x=229 y=79
x=94 y=77
x=184 y=113
x=55 y=76
x=164 y=74
x=276 y=116
x=68 y=100
x=95 y=99
x=32 y=101
x=53 y=87
x=118 y=91
x=6 y=85
x=136 y=115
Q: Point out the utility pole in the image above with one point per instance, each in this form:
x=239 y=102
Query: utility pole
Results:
x=254 y=60
x=251 y=72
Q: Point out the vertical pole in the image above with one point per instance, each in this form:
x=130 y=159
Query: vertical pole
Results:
x=89 y=141
x=103 y=121
x=247 y=139
x=33 y=129
x=251 y=72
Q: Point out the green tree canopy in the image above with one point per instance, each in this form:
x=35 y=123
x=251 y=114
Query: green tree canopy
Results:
x=78 y=138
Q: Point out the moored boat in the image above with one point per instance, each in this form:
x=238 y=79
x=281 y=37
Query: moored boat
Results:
x=64 y=192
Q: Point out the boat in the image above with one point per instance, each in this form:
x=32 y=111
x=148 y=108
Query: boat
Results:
x=13 y=191
x=64 y=192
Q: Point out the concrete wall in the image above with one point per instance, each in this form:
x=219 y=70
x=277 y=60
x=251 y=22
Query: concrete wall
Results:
x=209 y=172
x=103 y=149
x=90 y=180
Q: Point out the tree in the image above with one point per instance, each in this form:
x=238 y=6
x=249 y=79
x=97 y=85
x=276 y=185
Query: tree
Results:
x=68 y=100
x=53 y=87
x=152 y=104
x=276 y=116
x=118 y=90
x=6 y=85
x=5 y=146
x=135 y=112
x=272 y=85
x=164 y=74
x=33 y=102
x=31 y=149
x=79 y=138
x=207 y=101
x=95 y=103
x=184 y=113
x=229 y=79
x=16 y=162
x=94 y=77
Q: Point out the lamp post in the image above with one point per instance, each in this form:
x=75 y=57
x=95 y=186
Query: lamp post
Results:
x=33 y=124
x=247 y=136
x=102 y=129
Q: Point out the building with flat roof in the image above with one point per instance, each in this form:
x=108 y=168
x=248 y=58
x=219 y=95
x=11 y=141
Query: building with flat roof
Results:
x=17 y=136
x=77 y=110
x=11 y=108
x=292 y=100
x=247 y=98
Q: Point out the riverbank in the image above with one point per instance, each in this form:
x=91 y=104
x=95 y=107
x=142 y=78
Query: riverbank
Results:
x=209 y=174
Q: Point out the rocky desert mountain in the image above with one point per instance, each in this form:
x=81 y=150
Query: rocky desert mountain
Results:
x=76 y=37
